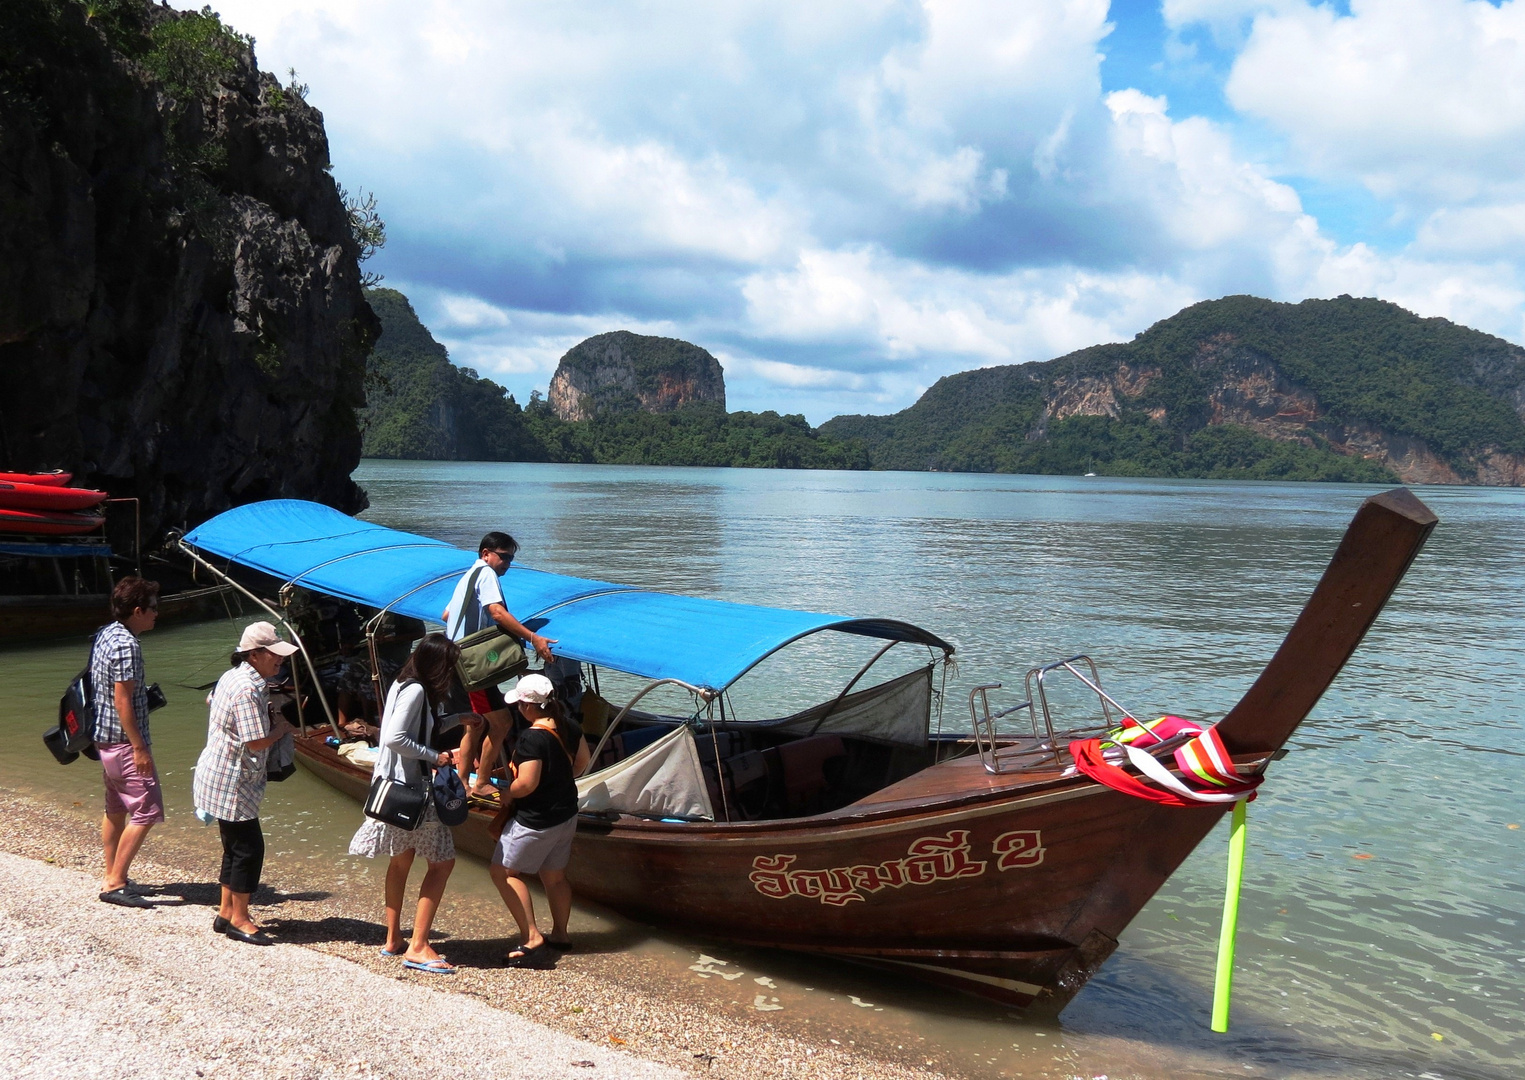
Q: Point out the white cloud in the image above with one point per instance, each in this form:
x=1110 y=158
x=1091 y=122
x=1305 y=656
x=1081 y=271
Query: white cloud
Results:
x=902 y=315
x=1422 y=100
x=846 y=201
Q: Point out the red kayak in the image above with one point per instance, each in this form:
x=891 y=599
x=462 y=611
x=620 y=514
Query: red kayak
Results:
x=42 y=523
x=56 y=478
x=48 y=497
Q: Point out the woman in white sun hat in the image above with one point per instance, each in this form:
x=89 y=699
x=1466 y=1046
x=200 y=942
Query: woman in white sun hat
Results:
x=230 y=774
x=549 y=757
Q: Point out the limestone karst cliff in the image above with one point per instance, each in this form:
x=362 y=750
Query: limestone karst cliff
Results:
x=621 y=372
x=181 y=315
x=1209 y=390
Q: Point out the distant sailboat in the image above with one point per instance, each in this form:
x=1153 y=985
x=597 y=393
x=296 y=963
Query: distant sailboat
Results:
x=1089 y=466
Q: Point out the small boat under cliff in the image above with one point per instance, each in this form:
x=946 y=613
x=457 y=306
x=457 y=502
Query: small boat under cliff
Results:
x=986 y=862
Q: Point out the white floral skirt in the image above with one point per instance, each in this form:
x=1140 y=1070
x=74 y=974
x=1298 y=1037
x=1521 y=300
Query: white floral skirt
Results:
x=431 y=840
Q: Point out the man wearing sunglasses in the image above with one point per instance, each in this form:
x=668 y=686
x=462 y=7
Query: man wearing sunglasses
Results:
x=472 y=608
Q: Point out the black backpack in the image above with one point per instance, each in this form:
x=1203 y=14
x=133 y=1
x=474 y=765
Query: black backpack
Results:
x=74 y=734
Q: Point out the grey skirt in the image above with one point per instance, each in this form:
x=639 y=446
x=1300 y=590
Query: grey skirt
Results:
x=431 y=841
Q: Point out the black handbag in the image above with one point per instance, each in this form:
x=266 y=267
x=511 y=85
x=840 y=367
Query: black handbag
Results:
x=398 y=804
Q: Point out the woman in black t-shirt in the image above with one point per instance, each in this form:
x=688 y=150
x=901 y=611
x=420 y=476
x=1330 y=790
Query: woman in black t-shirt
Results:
x=551 y=754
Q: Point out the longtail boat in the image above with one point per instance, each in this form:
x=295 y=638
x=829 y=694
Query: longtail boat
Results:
x=987 y=862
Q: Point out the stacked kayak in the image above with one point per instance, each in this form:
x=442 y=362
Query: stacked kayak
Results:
x=43 y=504
x=56 y=478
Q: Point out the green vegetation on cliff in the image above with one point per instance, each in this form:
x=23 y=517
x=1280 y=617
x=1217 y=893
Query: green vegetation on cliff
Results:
x=1367 y=363
x=420 y=405
x=423 y=406
x=1198 y=395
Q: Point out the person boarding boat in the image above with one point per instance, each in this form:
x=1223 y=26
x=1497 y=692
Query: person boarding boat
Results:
x=476 y=604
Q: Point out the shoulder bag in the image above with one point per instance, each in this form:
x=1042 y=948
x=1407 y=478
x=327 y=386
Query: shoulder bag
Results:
x=490 y=655
x=397 y=803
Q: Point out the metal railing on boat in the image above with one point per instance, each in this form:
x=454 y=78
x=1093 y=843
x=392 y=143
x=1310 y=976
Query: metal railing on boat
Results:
x=1046 y=741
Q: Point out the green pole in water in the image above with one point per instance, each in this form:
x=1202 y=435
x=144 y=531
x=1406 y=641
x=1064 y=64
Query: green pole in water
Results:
x=1223 y=984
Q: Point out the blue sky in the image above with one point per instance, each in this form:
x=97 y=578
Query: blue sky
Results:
x=844 y=202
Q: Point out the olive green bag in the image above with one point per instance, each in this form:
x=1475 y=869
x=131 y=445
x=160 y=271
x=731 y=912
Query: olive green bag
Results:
x=488 y=656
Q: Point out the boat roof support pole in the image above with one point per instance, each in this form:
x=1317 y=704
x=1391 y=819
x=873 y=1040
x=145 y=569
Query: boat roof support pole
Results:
x=862 y=671
x=311 y=669
x=702 y=693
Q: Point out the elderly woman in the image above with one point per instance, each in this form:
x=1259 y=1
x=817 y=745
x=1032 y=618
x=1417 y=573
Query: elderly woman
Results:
x=549 y=757
x=230 y=775
x=407 y=729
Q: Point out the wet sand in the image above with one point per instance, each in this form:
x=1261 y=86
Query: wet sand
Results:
x=616 y=1003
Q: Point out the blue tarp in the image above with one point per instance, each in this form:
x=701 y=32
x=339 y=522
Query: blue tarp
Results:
x=650 y=634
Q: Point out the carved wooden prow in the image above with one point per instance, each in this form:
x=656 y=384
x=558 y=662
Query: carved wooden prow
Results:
x=1382 y=540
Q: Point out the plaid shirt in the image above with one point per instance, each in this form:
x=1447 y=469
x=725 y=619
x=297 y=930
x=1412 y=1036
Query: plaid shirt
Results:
x=117 y=657
x=230 y=780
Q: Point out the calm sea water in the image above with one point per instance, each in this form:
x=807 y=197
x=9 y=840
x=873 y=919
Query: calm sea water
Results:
x=1382 y=931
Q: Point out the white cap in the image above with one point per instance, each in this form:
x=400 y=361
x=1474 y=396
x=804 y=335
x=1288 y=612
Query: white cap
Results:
x=262 y=635
x=536 y=689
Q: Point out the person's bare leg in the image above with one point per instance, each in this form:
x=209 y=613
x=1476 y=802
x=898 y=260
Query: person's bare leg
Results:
x=558 y=895
x=225 y=908
x=498 y=722
x=516 y=894
x=429 y=893
x=397 y=885
x=127 y=846
x=238 y=903
x=111 y=836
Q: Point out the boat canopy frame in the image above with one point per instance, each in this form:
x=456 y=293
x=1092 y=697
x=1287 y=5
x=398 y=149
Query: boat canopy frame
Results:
x=705 y=643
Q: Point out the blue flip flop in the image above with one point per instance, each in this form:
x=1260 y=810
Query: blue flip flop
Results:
x=388 y=955
x=433 y=967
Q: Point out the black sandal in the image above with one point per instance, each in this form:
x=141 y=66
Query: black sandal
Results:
x=536 y=958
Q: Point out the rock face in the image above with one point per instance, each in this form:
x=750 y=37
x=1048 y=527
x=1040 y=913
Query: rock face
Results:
x=621 y=371
x=181 y=317
x=1428 y=400
x=421 y=406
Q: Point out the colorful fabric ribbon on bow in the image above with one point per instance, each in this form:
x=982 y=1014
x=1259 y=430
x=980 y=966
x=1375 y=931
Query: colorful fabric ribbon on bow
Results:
x=1204 y=759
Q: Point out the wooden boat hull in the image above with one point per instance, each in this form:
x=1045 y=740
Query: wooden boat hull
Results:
x=1013 y=885
x=35 y=618
x=980 y=895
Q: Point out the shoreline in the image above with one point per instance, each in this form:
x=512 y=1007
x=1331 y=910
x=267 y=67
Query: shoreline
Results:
x=614 y=1002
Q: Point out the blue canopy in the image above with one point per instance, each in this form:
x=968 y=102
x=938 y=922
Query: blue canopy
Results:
x=655 y=635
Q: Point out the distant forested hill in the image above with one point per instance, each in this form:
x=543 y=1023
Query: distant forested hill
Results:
x=1238 y=388
x=1342 y=389
x=420 y=405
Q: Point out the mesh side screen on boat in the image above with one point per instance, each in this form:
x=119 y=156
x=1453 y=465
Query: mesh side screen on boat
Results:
x=897 y=712
x=660 y=780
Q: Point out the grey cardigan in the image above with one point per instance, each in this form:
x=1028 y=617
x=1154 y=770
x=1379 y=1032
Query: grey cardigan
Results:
x=407 y=714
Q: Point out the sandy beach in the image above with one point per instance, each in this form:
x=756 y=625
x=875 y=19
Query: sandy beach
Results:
x=156 y=993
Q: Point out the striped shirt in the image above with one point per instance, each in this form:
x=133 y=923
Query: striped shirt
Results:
x=230 y=780
x=117 y=657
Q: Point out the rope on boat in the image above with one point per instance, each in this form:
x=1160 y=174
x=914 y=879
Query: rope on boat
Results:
x=1216 y=779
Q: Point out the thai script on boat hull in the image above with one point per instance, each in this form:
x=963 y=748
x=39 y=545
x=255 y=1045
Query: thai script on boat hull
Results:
x=929 y=859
